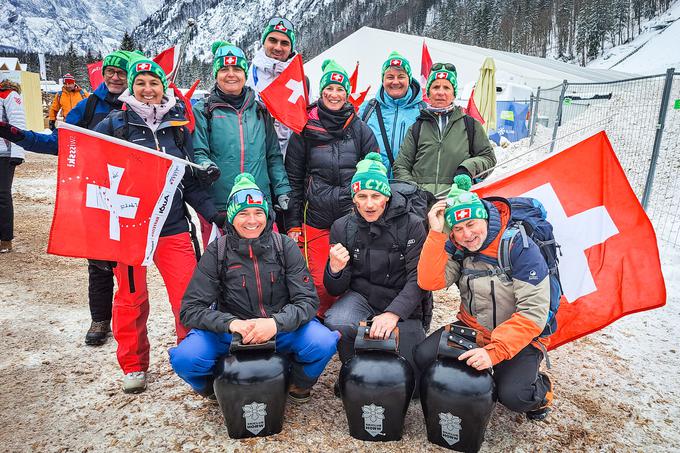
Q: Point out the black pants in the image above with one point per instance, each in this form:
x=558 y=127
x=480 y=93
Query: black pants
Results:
x=520 y=387
x=100 y=292
x=6 y=206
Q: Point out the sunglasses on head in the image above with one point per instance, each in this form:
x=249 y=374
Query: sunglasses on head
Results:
x=440 y=66
x=248 y=196
x=274 y=21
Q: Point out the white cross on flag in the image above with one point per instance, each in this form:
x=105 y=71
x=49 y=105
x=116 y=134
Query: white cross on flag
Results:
x=395 y=63
x=280 y=27
x=286 y=96
x=440 y=75
x=609 y=263
x=229 y=61
x=112 y=198
x=337 y=77
x=143 y=67
x=463 y=214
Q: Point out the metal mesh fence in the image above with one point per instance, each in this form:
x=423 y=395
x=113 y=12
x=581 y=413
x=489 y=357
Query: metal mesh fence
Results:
x=629 y=111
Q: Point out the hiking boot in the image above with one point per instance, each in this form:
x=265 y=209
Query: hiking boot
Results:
x=134 y=382
x=99 y=331
x=5 y=246
x=544 y=409
x=299 y=395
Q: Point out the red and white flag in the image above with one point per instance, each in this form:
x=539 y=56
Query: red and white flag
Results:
x=353 y=79
x=94 y=72
x=472 y=109
x=286 y=96
x=425 y=67
x=609 y=263
x=112 y=197
x=168 y=61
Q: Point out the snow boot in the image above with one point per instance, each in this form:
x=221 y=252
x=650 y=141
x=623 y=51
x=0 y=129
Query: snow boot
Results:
x=134 y=382
x=98 y=333
x=5 y=246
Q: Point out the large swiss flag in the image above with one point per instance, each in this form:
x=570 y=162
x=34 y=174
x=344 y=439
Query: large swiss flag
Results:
x=112 y=197
x=609 y=263
x=286 y=96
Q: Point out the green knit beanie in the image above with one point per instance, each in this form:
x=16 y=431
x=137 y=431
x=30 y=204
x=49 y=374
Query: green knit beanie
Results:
x=227 y=54
x=443 y=73
x=461 y=204
x=334 y=73
x=120 y=59
x=141 y=64
x=371 y=174
x=281 y=25
x=396 y=60
x=245 y=194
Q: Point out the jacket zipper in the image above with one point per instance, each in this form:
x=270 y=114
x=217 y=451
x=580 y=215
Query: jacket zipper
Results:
x=439 y=153
x=493 y=303
x=469 y=287
x=243 y=145
x=394 y=129
x=257 y=280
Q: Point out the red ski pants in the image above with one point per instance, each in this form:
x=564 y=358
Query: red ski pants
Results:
x=176 y=261
x=315 y=247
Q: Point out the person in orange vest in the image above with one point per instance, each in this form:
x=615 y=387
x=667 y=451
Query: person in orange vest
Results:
x=70 y=95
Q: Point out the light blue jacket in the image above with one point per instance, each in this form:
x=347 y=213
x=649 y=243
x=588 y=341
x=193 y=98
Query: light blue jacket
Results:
x=398 y=116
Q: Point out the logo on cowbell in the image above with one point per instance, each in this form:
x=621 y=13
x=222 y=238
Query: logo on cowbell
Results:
x=280 y=27
x=395 y=63
x=463 y=214
x=143 y=67
x=229 y=61
x=356 y=186
x=335 y=77
x=373 y=419
x=254 y=414
x=450 y=427
x=441 y=75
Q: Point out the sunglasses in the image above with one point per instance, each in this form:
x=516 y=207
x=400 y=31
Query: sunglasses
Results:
x=440 y=66
x=248 y=196
x=110 y=72
x=274 y=21
x=230 y=50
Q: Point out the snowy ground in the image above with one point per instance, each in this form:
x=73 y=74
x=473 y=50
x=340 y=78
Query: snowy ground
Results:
x=617 y=390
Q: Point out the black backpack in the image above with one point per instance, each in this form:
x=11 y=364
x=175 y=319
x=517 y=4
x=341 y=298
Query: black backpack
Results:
x=222 y=252
x=88 y=115
x=469 y=128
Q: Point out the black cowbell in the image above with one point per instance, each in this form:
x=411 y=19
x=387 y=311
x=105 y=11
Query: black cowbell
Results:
x=376 y=386
x=457 y=400
x=251 y=386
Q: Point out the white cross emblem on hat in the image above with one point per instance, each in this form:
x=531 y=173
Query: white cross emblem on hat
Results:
x=337 y=77
x=229 y=61
x=280 y=27
x=441 y=75
x=143 y=67
x=463 y=214
x=395 y=63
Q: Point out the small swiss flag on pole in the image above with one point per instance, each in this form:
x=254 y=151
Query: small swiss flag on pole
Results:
x=609 y=262
x=286 y=96
x=353 y=79
x=167 y=60
x=425 y=66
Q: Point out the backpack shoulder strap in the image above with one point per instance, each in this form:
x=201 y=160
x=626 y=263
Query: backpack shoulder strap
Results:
x=369 y=109
x=415 y=131
x=90 y=106
x=383 y=133
x=470 y=129
x=506 y=242
x=221 y=254
x=207 y=112
x=278 y=248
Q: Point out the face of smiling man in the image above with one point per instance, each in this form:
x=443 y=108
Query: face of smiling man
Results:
x=470 y=234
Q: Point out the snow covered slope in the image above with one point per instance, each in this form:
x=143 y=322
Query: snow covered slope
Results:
x=652 y=52
x=51 y=25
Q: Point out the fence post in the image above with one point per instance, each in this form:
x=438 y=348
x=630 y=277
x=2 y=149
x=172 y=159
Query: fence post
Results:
x=534 y=116
x=558 y=117
x=659 y=135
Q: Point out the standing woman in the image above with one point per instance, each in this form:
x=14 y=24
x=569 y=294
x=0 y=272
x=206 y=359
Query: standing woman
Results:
x=235 y=134
x=320 y=163
x=11 y=155
x=153 y=119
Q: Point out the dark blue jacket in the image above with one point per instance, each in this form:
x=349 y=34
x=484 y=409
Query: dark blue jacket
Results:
x=47 y=143
x=189 y=189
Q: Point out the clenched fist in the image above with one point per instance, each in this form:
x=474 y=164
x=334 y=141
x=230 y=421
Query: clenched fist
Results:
x=339 y=257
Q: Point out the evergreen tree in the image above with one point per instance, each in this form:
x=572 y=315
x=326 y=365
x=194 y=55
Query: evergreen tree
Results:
x=128 y=43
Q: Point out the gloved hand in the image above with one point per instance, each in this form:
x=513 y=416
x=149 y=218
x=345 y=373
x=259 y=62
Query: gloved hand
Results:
x=52 y=124
x=283 y=201
x=11 y=133
x=16 y=161
x=209 y=174
x=219 y=219
x=462 y=171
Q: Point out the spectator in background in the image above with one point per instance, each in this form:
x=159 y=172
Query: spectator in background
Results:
x=71 y=94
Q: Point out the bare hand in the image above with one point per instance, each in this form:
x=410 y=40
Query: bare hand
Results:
x=294 y=235
x=242 y=327
x=477 y=358
x=339 y=257
x=436 y=216
x=263 y=331
x=383 y=325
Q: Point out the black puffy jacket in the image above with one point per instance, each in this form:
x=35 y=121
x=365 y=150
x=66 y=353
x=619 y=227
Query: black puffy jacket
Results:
x=320 y=167
x=383 y=260
x=252 y=284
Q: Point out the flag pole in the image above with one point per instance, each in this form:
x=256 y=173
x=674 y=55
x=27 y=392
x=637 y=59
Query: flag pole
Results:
x=118 y=141
x=185 y=40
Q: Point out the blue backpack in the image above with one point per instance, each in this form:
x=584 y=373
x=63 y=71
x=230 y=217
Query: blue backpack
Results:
x=528 y=219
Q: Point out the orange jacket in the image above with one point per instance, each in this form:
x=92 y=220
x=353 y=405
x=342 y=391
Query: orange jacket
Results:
x=521 y=307
x=65 y=101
